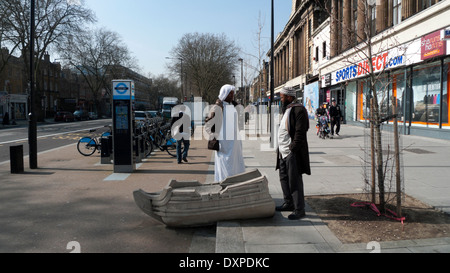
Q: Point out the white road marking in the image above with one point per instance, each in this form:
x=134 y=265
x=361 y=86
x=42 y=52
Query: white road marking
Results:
x=52 y=135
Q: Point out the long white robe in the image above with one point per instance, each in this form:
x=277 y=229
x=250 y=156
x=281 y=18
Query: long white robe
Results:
x=229 y=160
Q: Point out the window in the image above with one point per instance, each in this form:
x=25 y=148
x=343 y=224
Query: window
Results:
x=426 y=4
x=317 y=54
x=397 y=12
x=355 y=21
x=309 y=57
x=373 y=16
x=324 y=50
x=310 y=28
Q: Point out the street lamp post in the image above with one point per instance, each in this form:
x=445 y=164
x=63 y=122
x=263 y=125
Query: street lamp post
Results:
x=32 y=126
x=272 y=87
x=242 y=80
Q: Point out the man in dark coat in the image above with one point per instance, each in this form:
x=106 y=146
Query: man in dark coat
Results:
x=293 y=154
x=336 y=117
x=180 y=120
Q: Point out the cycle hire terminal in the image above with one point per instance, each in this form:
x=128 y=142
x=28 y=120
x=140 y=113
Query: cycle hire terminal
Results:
x=123 y=122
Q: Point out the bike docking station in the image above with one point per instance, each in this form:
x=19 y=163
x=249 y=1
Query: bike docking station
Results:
x=124 y=159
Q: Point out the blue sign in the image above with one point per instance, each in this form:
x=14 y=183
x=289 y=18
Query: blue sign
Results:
x=122 y=90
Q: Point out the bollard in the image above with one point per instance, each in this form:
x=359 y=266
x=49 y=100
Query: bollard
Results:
x=105 y=153
x=110 y=147
x=136 y=148
x=16 y=157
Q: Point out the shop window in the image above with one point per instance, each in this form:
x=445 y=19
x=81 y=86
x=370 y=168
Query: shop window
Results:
x=398 y=93
x=383 y=90
x=445 y=99
x=351 y=101
x=426 y=92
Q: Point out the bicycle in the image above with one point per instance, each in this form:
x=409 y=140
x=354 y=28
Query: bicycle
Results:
x=170 y=145
x=88 y=145
x=160 y=136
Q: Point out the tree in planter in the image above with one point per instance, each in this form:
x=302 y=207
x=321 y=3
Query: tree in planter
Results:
x=355 y=31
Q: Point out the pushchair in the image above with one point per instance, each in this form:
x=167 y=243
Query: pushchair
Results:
x=323 y=129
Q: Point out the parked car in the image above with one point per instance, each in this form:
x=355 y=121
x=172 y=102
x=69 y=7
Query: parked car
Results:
x=93 y=115
x=81 y=115
x=140 y=115
x=64 y=116
x=152 y=113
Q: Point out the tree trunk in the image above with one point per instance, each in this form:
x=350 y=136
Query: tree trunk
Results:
x=372 y=151
x=378 y=142
x=397 y=158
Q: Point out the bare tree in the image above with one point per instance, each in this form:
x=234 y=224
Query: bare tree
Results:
x=162 y=86
x=99 y=56
x=55 y=20
x=208 y=62
x=5 y=32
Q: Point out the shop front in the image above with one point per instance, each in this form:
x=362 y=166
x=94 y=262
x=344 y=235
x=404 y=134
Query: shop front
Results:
x=15 y=105
x=417 y=83
x=333 y=90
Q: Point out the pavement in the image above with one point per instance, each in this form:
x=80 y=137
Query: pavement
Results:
x=74 y=203
x=337 y=169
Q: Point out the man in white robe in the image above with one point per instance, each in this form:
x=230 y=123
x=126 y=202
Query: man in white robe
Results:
x=229 y=160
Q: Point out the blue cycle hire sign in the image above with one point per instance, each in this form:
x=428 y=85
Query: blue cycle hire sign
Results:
x=121 y=90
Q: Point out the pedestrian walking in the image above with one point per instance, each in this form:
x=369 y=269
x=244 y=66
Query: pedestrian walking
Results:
x=336 y=117
x=222 y=126
x=293 y=154
x=183 y=136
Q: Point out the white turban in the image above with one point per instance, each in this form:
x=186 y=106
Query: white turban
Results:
x=289 y=91
x=225 y=91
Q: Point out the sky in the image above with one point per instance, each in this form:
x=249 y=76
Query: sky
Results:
x=152 y=28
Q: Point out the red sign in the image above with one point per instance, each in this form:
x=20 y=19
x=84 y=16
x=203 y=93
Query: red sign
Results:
x=433 y=46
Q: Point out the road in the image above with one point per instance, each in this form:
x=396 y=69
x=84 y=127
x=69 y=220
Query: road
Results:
x=50 y=136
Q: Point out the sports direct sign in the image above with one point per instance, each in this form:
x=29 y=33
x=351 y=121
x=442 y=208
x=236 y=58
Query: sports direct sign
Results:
x=383 y=61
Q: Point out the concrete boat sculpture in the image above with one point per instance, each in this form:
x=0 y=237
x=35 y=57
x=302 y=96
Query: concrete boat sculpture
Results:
x=190 y=203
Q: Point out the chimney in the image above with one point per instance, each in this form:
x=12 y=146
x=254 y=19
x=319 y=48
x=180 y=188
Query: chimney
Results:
x=46 y=57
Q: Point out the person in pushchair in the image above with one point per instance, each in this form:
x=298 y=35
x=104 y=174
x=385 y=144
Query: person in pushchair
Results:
x=323 y=129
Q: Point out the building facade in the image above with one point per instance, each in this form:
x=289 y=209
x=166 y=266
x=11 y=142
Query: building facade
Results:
x=13 y=92
x=58 y=89
x=343 y=48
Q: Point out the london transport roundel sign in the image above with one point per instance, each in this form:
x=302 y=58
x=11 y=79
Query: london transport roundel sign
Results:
x=121 y=90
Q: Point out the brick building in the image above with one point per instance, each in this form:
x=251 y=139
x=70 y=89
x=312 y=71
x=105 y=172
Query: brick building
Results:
x=58 y=89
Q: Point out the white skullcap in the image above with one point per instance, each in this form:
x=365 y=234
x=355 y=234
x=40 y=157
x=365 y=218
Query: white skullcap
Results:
x=225 y=91
x=288 y=91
